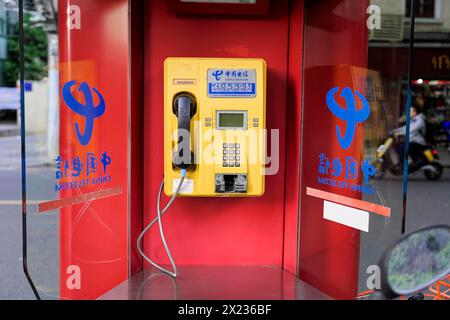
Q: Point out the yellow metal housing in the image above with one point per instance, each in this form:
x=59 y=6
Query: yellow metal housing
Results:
x=217 y=149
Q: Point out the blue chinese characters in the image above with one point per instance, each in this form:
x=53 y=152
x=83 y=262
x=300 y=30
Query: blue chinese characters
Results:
x=80 y=172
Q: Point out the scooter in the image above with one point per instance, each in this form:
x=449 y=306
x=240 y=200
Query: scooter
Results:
x=414 y=263
x=388 y=160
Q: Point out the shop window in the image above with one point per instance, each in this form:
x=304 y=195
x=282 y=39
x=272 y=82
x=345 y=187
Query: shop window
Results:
x=428 y=9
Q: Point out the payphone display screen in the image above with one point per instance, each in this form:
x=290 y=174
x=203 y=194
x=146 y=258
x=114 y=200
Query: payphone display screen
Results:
x=231 y=120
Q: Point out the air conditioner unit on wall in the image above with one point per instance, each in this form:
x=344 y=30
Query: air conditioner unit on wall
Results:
x=392 y=20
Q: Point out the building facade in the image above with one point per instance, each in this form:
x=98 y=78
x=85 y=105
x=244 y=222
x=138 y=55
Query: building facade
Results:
x=7 y=20
x=431 y=67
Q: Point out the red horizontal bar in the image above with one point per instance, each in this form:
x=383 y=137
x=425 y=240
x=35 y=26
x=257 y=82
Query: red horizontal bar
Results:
x=346 y=201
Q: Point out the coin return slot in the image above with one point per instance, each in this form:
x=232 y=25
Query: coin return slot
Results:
x=229 y=183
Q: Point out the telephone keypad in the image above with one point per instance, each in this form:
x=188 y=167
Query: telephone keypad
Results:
x=229 y=160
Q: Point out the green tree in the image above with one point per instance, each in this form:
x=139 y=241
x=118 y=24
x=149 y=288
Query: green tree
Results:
x=36 y=54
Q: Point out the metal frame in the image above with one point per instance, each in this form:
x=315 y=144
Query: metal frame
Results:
x=23 y=152
x=408 y=116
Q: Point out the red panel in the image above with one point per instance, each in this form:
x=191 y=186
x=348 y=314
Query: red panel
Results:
x=216 y=231
x=335 y=35
x=94 y=236
x=261 y=7
x=293 y=138
x=136 y=87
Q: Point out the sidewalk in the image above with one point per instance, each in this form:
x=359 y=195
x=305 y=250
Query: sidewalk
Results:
x=8 y=130
x=10 y=152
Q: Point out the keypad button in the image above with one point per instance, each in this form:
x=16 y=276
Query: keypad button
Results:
x=231 y=165
x=256 y=125
x=225 y=151
x=208 y=125
x=225 y=158
x=255 y=120
x=225 y=145
x=231 y=145
x=231 y=159
x=238 y=152
x=237 y=145
x=225 y=165
x=237 y=164
x=237 y=158
x=231 y=152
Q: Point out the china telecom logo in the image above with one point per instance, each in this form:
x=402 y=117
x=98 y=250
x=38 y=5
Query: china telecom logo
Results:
x=88 y=110
x=350 y=115
x=218 y=74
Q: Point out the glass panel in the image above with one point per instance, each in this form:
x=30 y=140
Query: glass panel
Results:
x=42 y=145
x=388 y=55
x=356 y=61
x=76 y=126
x=428 y=187
x=14 y=286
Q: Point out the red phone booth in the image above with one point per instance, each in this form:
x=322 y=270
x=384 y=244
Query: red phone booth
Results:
x=277 y=246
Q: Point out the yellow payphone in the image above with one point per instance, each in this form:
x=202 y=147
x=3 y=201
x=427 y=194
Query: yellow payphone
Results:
x=214 y=133
x=214 y=120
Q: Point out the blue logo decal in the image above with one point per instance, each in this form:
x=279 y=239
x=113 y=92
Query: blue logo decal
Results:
x=350 y=115
x=88 y=111
x=218 y=74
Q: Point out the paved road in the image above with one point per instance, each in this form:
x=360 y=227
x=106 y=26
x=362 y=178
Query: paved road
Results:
x=428 y=204
x=43 y=232
x=12 y=280
x=7 y=130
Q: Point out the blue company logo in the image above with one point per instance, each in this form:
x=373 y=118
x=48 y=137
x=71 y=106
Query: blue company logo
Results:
x=218 y=74
x=350 y=115
x=88 y=110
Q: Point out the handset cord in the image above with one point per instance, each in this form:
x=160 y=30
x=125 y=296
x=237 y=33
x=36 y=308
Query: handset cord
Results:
x=161 y=231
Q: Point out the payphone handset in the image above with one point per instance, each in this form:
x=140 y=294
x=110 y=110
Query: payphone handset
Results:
x=214 y=123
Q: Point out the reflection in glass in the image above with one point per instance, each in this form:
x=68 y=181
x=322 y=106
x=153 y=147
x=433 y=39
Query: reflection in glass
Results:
x=419 y=260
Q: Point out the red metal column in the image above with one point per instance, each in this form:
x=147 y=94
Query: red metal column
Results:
x=293 y=137
x=94 y=235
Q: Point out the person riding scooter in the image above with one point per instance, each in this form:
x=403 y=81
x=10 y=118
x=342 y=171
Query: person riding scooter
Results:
x=418 y=144
x=391 y=154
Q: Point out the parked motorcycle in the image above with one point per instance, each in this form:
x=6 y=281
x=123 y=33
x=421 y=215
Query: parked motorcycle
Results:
x=388 y=160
